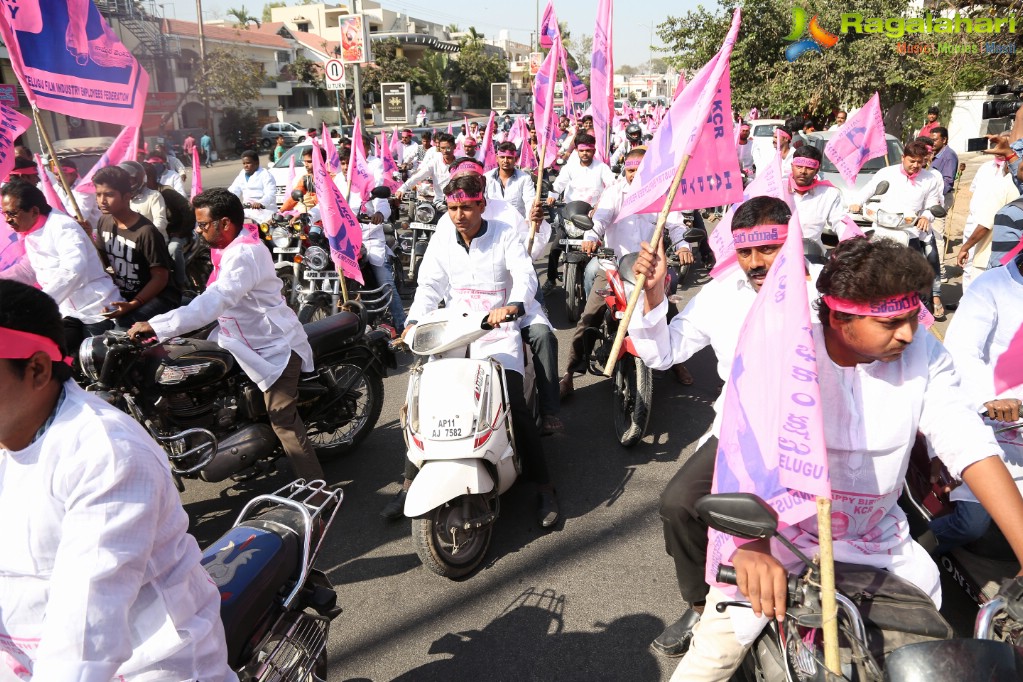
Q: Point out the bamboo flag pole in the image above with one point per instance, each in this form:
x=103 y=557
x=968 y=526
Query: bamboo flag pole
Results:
x=539 y=179
x=829 y=605
x=56 y=163
x=623 y=326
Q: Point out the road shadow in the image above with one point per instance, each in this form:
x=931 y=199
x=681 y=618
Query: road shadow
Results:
x=527 y=641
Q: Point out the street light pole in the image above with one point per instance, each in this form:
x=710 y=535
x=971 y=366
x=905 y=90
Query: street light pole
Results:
x=357 y=70
x=202 y=66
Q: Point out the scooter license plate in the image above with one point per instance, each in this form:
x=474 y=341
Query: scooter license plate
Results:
x=450 y=428
x=422 y=226
x=571 y=242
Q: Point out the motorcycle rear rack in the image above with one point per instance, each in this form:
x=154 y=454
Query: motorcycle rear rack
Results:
x=307 y=633
x=309 y=499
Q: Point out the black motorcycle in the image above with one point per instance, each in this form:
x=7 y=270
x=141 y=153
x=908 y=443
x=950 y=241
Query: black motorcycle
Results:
x=197 y=402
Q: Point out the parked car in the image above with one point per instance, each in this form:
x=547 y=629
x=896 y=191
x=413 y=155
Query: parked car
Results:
x=292 y=133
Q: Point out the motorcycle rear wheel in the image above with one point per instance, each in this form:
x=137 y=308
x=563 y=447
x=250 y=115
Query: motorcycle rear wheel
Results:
x=435 y=547
x=631 y=397
x=575 y=296
x=363 y=400
x=313 y=312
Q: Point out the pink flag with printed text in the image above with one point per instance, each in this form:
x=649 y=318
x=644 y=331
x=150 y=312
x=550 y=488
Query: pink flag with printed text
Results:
x=1009 y=366
x=550 y=32
x=489 y=155
x=773 y=448
x=527 y=158
x=360 y=177
x=698 y=126
x=543 y=105
x=340 y=225
x=333 y=158
x=52 y=198
x=197 y=172
x=12 y=125
x=12 y=249
x=860 y=139
x=124 y=148
x=69 y=61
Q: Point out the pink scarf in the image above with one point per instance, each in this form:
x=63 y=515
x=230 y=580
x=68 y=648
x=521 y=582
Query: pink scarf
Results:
x=803 y=190
x=911 y=178
x=247 y=235
x=37 y=225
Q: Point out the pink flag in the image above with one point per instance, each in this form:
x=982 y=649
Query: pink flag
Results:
x=333 y=158
x=339 y=223
x=550 y=32
x=699 y=126
x=197 y=172
x=449 y=128
x=680 y=86
x=396 y=144
x=773 y=448
x=12 y=249
x=12 y=125
x=1009 y=366
x=390 y=168
x=768 y=183
x=291 y=171
x=124 y=148
x=360 y=178
x=527 y=158
x=853 y=230
x=489 y=155
x=543 y=105
x=69 y=61
x=860 y=139
x=52 y=198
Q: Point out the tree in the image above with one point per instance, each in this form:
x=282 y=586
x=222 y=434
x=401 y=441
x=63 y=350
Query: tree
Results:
x=389 y=67
x=627 y=70
x=475 y=69
x=583 y=54
x=229 y=80
x=655 y=65
x=267 y=18
x=241 y=14
x=433 y=66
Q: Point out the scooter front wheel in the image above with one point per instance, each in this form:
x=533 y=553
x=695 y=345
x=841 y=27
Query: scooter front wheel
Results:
x=443 y=544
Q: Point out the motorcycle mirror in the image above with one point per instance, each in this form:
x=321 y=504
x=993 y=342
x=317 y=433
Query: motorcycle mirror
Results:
x=938 y=211
x=881 y=188
x=582 y=222
x=382 y=192
x=694 y=234
x=296 y=195
x=740 y=514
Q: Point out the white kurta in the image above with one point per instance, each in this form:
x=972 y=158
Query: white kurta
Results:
x=493 y=272
x=258 y=188
x=818 y=208
x=254 y=323
x=905 y=195
x=626 y=236
x=577 y=182
x=432 y=168
x=62 y=259
x=99 y=579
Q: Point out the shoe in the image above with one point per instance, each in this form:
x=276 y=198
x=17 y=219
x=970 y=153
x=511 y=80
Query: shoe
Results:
x=674 y=641
x=395 y=509
x=548 y=286
x=551 y=425
x=682 y=374
x=939 y=310
x=565 y=386
x=547 y=508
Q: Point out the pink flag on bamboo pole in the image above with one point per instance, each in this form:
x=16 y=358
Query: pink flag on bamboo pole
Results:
x=333 y=158
x=395 y=144
x=390 y=168
x=680 y=86
x=52 y=198
x=340 y=225
x=527 y=158
x=360 y=177
x=450 y=129
x=698 y=126
x=543 y=105
x=197 y=172
x=550 y=32
x=773 y=448
x=860 y=139
x=68 y=60
x=12 y=125
x=1009 y=366
x=489 y=155
x=124 y=148
x=291 y=171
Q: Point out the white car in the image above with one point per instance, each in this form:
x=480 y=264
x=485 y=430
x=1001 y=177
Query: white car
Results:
x=761 y=133
x=281 y=172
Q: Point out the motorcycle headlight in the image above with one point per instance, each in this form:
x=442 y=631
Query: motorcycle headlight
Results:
x=91 y=354
x=572 y=231
x=316 y=258
x=890 y=220
x=425 y=213
x=281 y=237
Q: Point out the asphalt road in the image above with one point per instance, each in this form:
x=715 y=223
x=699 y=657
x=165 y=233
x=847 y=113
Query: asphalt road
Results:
x=582 y=601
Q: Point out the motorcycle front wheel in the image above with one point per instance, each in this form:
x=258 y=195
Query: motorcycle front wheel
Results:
x=631 y=397
x=348 y=417
x=453 y=555
x=313 y=312
x=575 y=297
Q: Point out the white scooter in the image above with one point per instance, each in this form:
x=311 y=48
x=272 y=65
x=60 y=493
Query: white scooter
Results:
x=898 y=227
x=458 y=429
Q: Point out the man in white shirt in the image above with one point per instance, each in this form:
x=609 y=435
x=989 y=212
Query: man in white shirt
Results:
x=172 y=161
x=477 y=267
x=818 y=202
x=882 y=379
x=408 y=152
x=433 y=168
x=256 y=188
x=100 y=579
x=992 y=188
x=471 y=149
x=61 y=258
x=625 y=237
x=745 y=149
x=255 y=323
x=839 y=120
x=714 y=317
x=508 y=183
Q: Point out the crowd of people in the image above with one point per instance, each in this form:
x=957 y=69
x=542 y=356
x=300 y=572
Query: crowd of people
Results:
x=882 y=377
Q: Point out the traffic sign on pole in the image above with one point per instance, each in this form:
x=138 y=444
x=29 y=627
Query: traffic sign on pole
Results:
x=334 y=72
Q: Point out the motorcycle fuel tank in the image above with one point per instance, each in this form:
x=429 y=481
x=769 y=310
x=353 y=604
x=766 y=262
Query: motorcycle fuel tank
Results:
x=180 y=365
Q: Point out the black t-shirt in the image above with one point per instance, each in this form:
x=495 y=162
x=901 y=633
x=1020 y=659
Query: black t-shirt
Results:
x=132 y=253
x=180 y=217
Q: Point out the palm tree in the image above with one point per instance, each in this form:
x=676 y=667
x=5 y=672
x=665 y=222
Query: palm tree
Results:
x=243 y=17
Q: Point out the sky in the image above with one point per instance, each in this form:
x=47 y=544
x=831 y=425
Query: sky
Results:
x=634 y=21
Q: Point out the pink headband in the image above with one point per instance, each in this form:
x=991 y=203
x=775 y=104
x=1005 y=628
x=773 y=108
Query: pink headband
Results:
x=466 y=167
x=512 y=155
x=744 y=126
x=585 y=147
x=633 y=162
x=19 y=345
x=759 y=235
x=462 y=195
x=806 y=162
x=781 y=133
x=886 y=307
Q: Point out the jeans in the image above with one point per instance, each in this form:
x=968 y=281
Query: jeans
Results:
x=589 y=274
x=385 y=275
x=176 y=249
x=544 y=344
x=931 y=249
x=161 y=304
x=967 y=522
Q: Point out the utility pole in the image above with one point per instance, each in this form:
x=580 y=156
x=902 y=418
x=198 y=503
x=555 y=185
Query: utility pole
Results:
x=356 y=71
x=202 y=66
